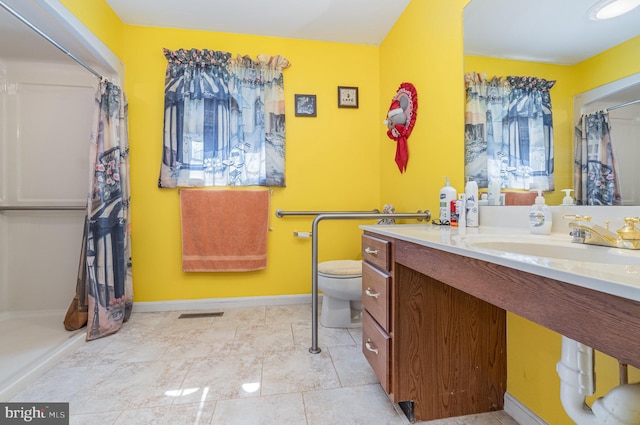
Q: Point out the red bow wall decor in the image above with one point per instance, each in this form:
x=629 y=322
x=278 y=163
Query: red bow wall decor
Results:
x=400 y=121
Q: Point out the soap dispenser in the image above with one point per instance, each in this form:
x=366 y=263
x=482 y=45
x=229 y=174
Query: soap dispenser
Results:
x=540 y=216
x=447 y=194
x=568 y=199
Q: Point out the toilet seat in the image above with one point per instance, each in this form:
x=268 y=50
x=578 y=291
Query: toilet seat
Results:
x=341 y=284
x=341 y=269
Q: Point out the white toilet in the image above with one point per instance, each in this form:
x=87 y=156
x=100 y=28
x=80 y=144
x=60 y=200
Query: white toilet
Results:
x=341 y=284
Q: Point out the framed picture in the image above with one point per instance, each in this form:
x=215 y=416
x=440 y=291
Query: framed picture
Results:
x=306 y=105
x=347 y=97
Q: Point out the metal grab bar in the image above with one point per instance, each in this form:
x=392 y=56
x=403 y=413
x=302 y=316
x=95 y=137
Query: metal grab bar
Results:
x=426 y=215
x=42 y=207
x=314 y=258
x=280 y=213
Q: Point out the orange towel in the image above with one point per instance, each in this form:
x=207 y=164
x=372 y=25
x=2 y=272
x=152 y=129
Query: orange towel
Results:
x=224 y=230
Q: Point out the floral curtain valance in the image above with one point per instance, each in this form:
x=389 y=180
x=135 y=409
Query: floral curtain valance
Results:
x=224 y=122
x=509 y=131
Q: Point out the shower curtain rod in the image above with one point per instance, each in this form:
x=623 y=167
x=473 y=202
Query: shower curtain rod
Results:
x=50 y=40
x=622 y=105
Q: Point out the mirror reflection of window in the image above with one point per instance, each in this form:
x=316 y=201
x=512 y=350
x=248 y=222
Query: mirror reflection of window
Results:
x=509 y=132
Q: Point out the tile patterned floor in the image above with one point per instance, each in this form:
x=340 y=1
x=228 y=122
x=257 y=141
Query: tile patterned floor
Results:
x=250 y=366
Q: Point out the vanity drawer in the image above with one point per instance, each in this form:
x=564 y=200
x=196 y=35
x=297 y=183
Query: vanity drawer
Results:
x=375 y=346
x=376 y=287
x=377 y=252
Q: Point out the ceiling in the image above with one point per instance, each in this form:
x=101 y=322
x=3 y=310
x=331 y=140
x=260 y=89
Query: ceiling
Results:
x=345 y=21
x=567 y=36
x=550 y=31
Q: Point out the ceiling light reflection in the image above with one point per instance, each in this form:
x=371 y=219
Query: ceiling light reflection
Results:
x=180 y=392
x=251 y=387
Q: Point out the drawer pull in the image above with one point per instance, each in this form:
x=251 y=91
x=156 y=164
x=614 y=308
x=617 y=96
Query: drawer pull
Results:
x=370 y=347
x=371 y=251
x=371 y=294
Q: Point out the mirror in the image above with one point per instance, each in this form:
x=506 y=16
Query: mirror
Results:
x=504 y=38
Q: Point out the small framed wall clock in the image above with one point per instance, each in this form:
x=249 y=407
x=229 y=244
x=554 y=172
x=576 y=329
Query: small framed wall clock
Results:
x=347 y=97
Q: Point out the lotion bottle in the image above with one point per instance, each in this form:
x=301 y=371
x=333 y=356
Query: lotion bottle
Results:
x=540 y=216
x=447 y=194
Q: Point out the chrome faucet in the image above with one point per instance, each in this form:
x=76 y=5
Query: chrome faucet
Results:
x=627 y=237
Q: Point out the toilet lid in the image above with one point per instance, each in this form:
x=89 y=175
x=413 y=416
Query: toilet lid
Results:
x=341 y=267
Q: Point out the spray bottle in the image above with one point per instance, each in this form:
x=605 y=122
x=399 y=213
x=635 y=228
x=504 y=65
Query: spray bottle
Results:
x=471 y=195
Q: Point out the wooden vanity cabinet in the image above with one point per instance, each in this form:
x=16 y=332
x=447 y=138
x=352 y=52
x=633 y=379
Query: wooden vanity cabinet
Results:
x=376 y=303
x=438 y=351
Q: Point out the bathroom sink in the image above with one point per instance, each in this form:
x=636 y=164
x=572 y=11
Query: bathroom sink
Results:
x=550 y=247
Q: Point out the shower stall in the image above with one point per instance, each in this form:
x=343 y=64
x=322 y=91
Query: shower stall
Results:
x=46 y=108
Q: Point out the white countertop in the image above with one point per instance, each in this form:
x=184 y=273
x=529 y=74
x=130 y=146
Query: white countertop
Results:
x=621 y=279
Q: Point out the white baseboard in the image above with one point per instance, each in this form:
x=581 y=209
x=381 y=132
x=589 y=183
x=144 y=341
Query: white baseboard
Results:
x=220 y=303
x=519 y=412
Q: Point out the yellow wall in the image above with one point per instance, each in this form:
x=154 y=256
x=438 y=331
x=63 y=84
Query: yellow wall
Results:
x=608 y=66
x=425 y=48
x=331 y=163
x=341 y=159
x=101 y=20
x=561 y=103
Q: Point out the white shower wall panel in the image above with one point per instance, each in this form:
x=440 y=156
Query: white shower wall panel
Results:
x=4 y=287
x=625 y=137
x=46 y=113
x=49 y=109
x=44 y=249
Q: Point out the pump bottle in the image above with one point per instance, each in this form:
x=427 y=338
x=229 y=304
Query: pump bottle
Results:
x=568 y=199
x=540 y=216
x=447 y=194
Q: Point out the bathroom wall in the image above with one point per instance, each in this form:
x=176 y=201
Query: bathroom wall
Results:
x=98 y=16
x=331 y=163
x=611 y=65
x=425 y=48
